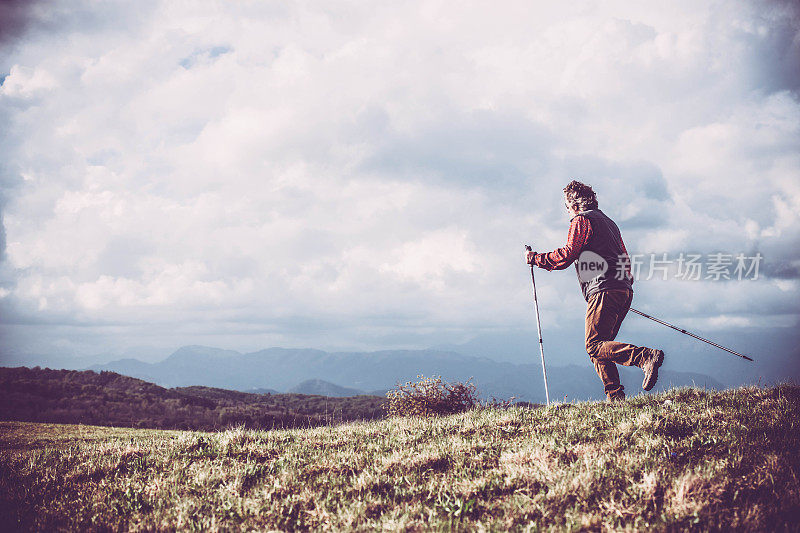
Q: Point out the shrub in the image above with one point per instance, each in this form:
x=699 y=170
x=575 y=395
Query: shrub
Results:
x=431 y=397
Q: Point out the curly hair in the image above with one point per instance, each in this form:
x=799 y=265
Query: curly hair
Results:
x=580 y=196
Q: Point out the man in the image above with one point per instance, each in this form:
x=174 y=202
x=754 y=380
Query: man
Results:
x=595 y=245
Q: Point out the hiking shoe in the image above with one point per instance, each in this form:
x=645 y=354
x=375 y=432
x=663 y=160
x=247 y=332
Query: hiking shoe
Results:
x=650 y=367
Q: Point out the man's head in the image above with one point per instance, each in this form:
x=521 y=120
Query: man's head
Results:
x=579 y=197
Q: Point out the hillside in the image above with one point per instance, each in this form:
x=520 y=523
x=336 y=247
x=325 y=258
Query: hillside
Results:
x=324 y=388
x=684 y=460
x=281 y=369
x=109 y=399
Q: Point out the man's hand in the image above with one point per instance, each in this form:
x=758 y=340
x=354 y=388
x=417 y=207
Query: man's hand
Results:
x=529 y=257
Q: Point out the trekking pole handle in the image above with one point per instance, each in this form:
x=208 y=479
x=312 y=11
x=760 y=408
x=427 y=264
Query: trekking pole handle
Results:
x=529 y=249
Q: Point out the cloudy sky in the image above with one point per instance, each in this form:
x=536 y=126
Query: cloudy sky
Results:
x=353 y=175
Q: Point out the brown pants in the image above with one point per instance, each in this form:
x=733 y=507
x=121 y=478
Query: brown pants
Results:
x=604 y=314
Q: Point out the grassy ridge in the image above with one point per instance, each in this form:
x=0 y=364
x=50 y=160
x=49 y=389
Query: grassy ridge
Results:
x=109 y=399
x=686 y=459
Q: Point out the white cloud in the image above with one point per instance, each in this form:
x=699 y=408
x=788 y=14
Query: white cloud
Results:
x=429 y=260
x=25 y=82
x=378 y=168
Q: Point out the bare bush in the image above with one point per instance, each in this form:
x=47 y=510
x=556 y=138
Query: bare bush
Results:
x=431 y=397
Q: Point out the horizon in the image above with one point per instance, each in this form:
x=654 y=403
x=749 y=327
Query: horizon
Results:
x=109 y=362
x=372 y=373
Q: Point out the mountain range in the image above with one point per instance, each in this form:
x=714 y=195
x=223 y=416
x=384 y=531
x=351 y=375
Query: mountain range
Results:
x=352 y=373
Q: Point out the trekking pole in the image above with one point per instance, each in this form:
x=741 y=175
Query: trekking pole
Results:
x=688 y=333
x=539 y=329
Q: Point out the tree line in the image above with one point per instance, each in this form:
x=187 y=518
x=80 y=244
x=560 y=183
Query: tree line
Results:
x=111 y=399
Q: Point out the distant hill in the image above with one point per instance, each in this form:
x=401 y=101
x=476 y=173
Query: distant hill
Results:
x=273 y=391
x=282 y=369
x=324 y=388
x=110 y=399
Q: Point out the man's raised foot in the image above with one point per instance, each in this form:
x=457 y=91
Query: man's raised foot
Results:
x=650 y=367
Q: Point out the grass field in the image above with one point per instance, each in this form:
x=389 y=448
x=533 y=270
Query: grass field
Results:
x=684 y=460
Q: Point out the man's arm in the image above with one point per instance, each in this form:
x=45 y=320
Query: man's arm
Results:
x=580 y=230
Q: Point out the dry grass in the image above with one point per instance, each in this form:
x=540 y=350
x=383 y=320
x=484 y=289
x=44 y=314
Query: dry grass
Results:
x=702 y=461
